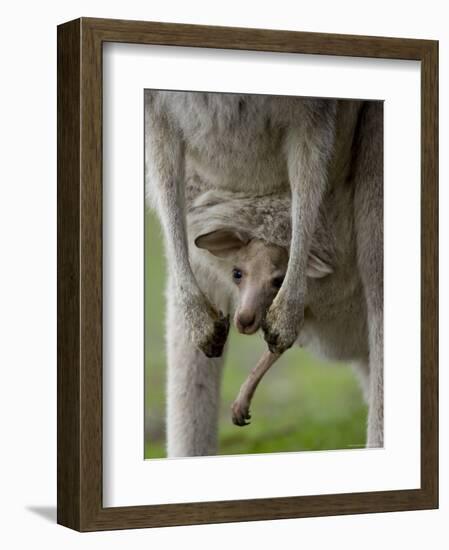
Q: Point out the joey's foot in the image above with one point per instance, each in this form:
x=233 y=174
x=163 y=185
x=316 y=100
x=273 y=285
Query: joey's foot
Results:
x=240 y=412
x=208 y=329
x=282 y=324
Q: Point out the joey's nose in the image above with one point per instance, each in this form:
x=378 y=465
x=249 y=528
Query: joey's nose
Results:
x=245 y=320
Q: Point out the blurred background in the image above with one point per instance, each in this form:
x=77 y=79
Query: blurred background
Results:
x=301 y=404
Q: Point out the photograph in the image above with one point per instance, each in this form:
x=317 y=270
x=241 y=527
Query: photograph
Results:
x=263 y=274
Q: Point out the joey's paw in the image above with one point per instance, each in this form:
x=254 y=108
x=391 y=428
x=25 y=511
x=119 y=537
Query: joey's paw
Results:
x=213 y=345
x=240 y=413
x=281 y=325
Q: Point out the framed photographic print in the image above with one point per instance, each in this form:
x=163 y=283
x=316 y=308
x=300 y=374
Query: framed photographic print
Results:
x=247 y=274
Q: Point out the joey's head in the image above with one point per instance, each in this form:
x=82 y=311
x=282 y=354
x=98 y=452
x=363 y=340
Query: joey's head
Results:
x=258 y=270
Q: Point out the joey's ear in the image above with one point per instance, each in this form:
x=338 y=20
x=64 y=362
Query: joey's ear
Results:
x=316 y=268
x=223 y=242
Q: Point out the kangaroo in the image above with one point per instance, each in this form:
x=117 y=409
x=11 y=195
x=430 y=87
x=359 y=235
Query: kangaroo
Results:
x=262 y=146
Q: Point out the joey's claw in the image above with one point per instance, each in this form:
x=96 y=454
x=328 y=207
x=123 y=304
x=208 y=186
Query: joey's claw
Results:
x=241 y=422
x=240 y=414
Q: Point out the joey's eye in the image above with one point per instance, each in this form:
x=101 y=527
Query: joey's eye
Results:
x=237 y=275
x=277 y=282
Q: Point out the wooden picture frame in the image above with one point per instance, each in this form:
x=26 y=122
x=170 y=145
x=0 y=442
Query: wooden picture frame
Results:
x=80 y=504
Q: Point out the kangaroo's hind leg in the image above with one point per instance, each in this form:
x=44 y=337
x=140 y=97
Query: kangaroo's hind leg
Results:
x=368 y=213
x=193 y=390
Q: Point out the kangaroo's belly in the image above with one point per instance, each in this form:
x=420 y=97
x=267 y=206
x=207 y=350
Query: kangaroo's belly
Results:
x=335 y=324
x=242 y=160
x=234 y=142
x=343 y=338
x=238 y=142
x=260 y=171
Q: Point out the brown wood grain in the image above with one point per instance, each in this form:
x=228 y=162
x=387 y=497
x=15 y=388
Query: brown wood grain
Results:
x=68 y=171
x=80 y=274
x=429 y=271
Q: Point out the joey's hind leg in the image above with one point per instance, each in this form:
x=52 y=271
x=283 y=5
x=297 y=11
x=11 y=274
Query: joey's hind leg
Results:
x=240 y=407
x=193 y=391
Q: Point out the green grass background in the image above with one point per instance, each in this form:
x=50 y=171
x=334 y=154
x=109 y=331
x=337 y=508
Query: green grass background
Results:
x=301 y=404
